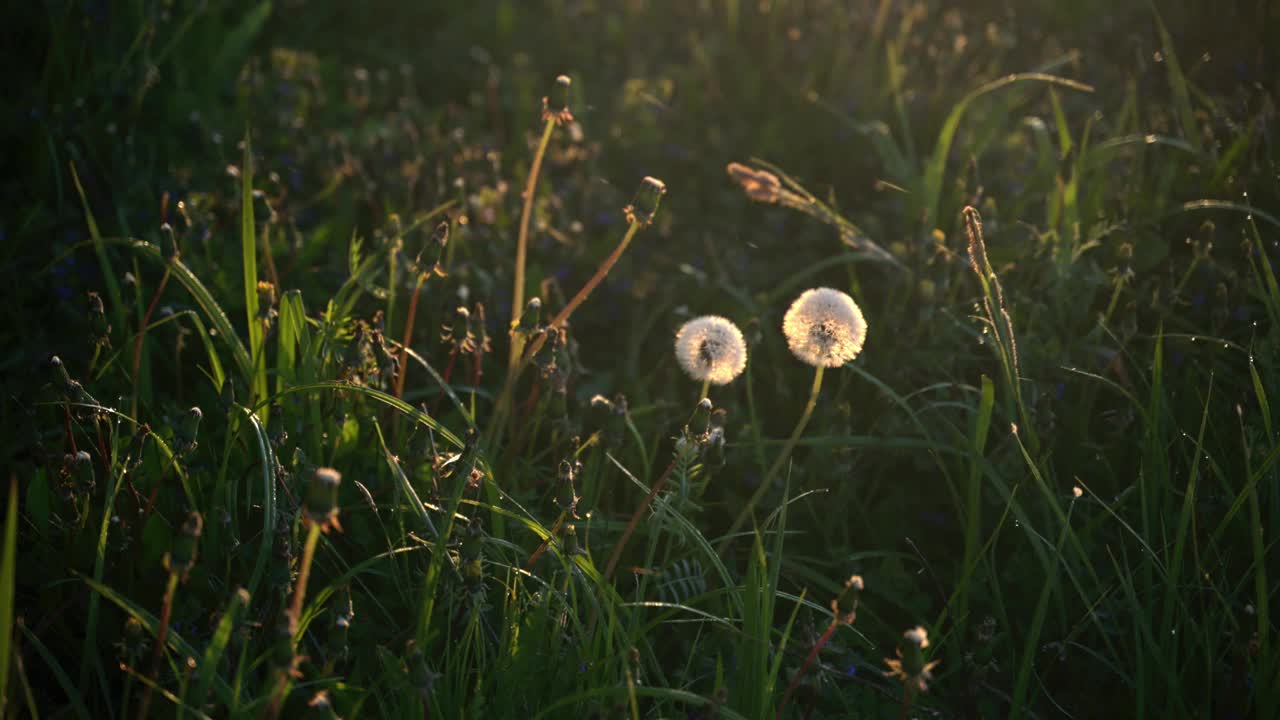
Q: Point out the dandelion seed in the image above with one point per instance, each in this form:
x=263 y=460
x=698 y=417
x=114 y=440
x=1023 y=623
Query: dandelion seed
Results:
x=824 y=328
x=711 y=349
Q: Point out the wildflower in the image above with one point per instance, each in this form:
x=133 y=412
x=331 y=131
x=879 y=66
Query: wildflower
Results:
x=824 y=328
x=711 y=349
x=915 y=673
x=759 y=185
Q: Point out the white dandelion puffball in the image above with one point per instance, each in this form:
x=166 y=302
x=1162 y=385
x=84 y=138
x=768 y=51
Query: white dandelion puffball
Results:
x=711 y=348
x=824 y=328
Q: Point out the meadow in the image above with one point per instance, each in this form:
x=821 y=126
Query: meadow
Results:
x=640 y=358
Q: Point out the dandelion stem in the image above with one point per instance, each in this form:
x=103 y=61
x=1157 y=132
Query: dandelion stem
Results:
x=781 y=461
x=522 y=240
x=503 y=406
x=706 y=388
x=162 y=633
x=563 y=316
x=304 y=571
x=635 y=520
x=408 y=335
x=808 y=661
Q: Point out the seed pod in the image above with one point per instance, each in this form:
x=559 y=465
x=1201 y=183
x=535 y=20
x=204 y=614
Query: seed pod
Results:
x=438 y=241
x=99 y=328
x=845 y=605
x=566 y=495
x=80 y=467
x=188 y=429
x=321 y=498
x=169 y=243
x=530 y=318
x=556 y=105
x=644 y=206
x=182 y=557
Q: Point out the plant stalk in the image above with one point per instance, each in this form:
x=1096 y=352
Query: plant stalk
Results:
x=780 y=462
x=522 y=240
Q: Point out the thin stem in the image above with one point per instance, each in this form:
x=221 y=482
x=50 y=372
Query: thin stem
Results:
x=162 y=633
x=780 y=462
x=706 y=388
x=522 y=240
x=142 y=333
x=595 y=280
x=503 y=406
x=304 y=571
x=808 y=661
x=635 y=521
x=408 y=335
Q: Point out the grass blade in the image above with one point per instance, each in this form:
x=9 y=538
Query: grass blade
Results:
x=8 y=572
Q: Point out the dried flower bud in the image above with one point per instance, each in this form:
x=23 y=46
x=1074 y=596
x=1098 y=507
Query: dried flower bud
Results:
x=439 y=240
x=321 y=707
x=321 y=498
x=644 y=206
x=169 y=243
x=759 y=185
x=188 y=429
x=845 y=605
x=99 y=328
x=530 y=318
x=79 y=465
x=556 y=105
x=911 y=666
x=182 y=557
x=566 y=495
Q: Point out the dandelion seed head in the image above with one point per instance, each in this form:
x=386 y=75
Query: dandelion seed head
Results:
x=711 y=348
x=824 y=328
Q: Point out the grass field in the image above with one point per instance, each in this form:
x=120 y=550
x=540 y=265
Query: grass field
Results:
x=287 y=434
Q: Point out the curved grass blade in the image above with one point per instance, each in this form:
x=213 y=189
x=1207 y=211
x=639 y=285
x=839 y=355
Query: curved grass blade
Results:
x=218 y=644
x=267 y=461
x=937 y=163
x=201 y=295
x=59 y=674
x=173 y=641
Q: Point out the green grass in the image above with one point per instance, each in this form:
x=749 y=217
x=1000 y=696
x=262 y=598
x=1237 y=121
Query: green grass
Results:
x=1056 y=452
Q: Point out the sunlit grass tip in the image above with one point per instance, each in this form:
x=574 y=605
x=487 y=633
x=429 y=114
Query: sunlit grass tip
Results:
x=824 y=328
x=711 y=349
